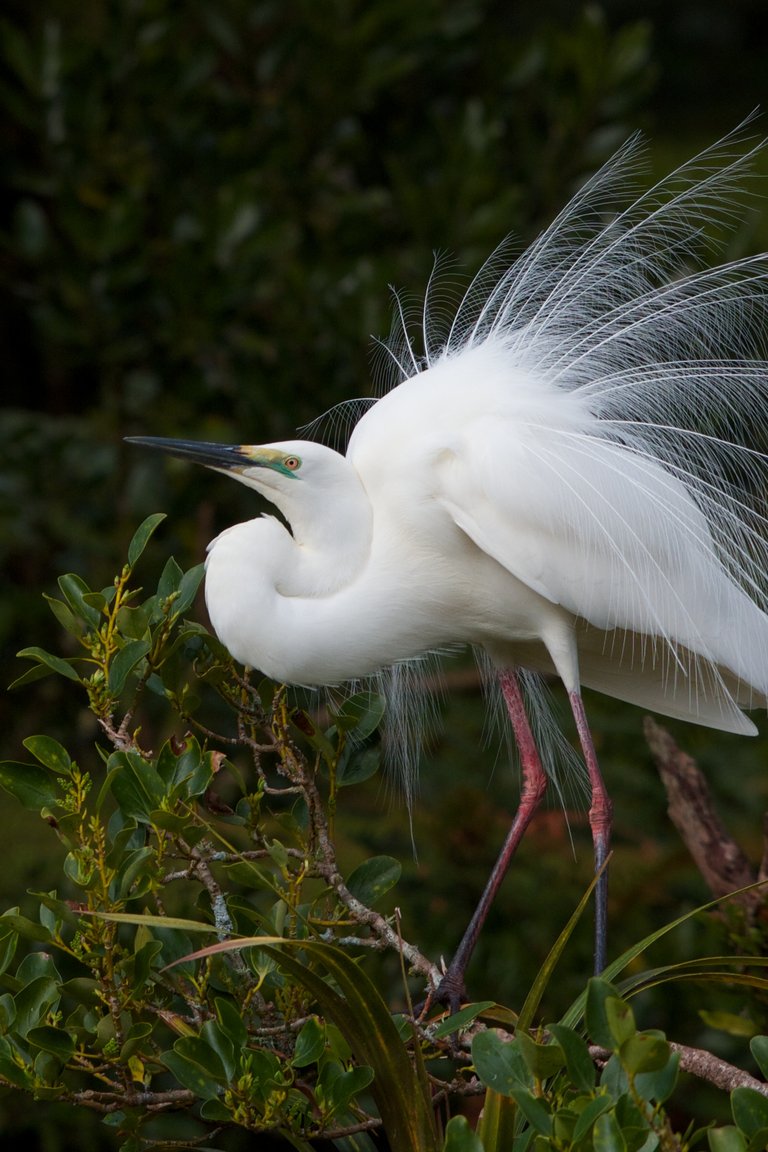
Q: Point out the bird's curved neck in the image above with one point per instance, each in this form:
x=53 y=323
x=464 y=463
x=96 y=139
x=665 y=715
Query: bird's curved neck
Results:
x=331 y=534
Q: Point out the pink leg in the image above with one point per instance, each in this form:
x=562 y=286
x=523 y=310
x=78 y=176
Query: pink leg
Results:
x=600 y=820
x=451 y=989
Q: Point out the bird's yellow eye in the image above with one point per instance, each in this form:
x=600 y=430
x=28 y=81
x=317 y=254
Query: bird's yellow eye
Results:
x=291 y=463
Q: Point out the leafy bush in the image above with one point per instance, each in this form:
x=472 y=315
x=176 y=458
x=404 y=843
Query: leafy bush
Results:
x=205 y=955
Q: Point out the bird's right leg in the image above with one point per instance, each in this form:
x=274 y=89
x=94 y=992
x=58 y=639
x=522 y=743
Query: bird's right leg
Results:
x=451 y=988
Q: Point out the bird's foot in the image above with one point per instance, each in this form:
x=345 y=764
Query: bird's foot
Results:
x=450 y=993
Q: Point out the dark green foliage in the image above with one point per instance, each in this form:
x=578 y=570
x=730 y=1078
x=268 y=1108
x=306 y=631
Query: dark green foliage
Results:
x=205 y=958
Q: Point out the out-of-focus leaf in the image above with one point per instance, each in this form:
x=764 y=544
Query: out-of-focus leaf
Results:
x=373 y=878
x=50 y=753
x=459 y=1137
x=32 y=786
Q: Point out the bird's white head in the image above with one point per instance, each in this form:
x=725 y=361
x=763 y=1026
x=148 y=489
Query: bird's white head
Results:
x=312 y=485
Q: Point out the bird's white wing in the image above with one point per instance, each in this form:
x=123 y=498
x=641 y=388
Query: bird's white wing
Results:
x=605 y=532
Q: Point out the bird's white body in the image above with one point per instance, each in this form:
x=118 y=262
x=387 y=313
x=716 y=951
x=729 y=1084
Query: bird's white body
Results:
x=564 y=480
x=508 y=523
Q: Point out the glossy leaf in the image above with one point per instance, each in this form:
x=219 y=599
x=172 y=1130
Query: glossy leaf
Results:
x=598 y=1025
x=124 y=662
x=310 y=1043
x=361 y=714
x=135 y=784
x=607 y=1135
x=373 y=878
x=54 y=1040
x=33 y=1003
x=577 y=1058
x=49 y=661
x=726 y=1139
x=50 y=753
x=758 y=1046
x=461 y=1019
x=590 y=1115
x=541 y=1060
x=499 y=1062
x=661 y=1083
x=620 y=1020
x=353 y=1002
x=32 y=786
x=459 y=1137
x=644 y=1052
x=750 y=1110
x=65 y=616
x=142 y=535
x=75 y=591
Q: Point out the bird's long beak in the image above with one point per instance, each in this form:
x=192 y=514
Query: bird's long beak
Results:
x=224 y=457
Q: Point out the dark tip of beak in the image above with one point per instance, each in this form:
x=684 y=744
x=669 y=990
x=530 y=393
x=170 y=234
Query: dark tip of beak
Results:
x=221 y=456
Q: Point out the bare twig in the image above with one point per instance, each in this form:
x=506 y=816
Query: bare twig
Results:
x=720 y=860
x=703 y=1065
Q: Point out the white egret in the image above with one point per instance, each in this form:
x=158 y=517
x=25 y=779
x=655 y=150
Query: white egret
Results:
x=565 y=479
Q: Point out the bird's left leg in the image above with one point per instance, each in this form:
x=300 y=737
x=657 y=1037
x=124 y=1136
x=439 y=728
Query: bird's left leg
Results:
x=451 y=988
x=600 y=821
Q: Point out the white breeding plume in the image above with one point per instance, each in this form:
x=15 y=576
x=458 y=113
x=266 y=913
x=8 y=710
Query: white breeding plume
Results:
x=569 y=480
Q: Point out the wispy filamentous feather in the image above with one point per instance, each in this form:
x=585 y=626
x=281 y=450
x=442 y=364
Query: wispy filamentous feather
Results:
x=611 y=306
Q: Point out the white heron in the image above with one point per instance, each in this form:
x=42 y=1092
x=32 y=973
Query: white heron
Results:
x=566 y=480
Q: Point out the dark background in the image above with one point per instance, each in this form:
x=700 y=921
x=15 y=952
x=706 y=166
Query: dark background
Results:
x=201 y=208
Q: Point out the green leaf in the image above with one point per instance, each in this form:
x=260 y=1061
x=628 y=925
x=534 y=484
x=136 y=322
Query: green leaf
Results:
x=750 y=1110
x=170 y=579
x=535 y=1110
x=50 y=753
x=54 y=1040
x=607 y=1136
x=462 y=1018
x=499 y=1062
x=32 y=786
x=193 y=1075
x=338 y=1086
x=135 y=784
x=541 y=1060
x=661 y=1083
x=373 y=878
x=310 y=1043
x=577 y=1058
x=65 y=616
x=123 y=663
x=620 y=1020
x=357 y=764
x=190 y=582
x=401 y=1091
x=216 y=1038
x=644 y=1052
x=589 y=1116
x=598 y=1026
x=142 y=536
x=10 y=1069
x=50 y=662
x=361 y=714
x=726 y=1140
x=459 y=1137
x=228 y=1016
x=75 y=591
x=758 y=1046
x=729 y=1022
x=33 y=1003
x=27 y=929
